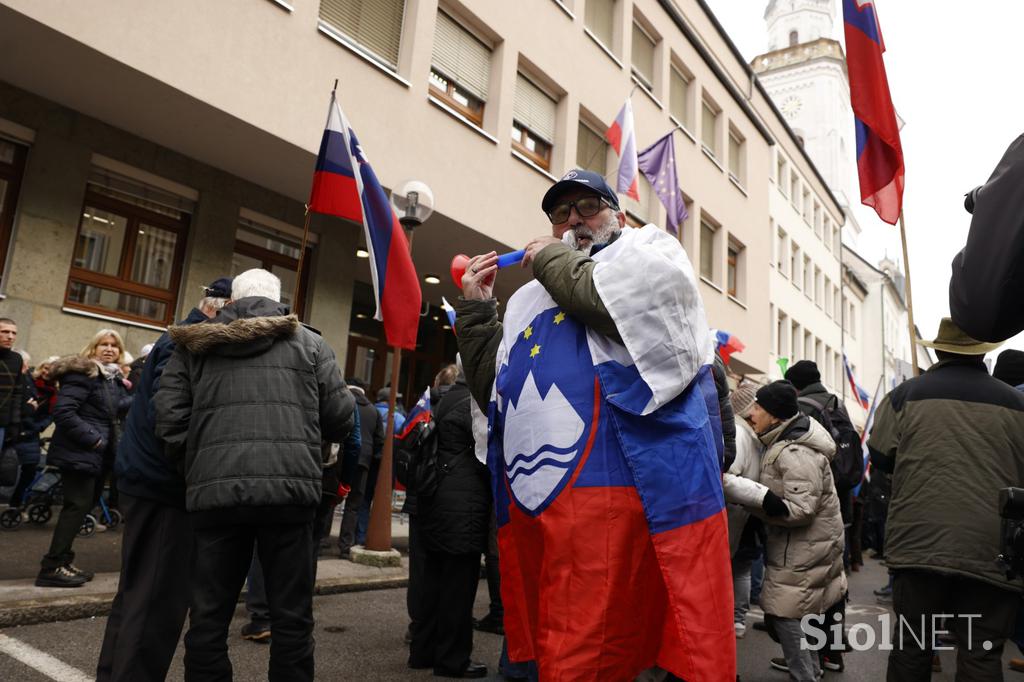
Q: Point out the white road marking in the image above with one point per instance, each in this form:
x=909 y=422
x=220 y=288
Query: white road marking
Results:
x=41 y=661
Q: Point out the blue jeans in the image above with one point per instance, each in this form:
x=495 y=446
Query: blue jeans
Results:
x=526 y=670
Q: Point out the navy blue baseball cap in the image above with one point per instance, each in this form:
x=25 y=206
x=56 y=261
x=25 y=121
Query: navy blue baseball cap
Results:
x=577 y=179
x=219 y=288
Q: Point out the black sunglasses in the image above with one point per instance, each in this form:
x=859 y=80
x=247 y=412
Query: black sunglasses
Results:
x=587 y=207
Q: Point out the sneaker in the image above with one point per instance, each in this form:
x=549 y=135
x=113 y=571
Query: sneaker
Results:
x=59 y=577
x=256 y=632
x=741 y=630
x=833 y=661
x=88 y=575
x=779 y=663
x=760 y=625
x=884 y=591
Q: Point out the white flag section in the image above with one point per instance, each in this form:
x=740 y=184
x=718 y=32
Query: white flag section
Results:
x=647 y=283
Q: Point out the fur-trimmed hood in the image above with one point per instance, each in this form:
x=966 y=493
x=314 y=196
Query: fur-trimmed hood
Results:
x=74 y=364
x=246 y=327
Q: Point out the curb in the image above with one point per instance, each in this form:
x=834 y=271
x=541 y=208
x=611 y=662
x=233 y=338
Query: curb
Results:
x=36 y=611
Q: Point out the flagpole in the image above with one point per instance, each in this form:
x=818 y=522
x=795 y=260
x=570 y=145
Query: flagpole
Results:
x=378 y=531
x=910 y=297
x=302 y=258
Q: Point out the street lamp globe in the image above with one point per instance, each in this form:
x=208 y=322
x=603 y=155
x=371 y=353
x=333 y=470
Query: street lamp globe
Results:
x=413 y=203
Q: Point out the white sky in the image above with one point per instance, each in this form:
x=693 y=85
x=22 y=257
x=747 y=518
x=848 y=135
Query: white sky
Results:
x=954 y=73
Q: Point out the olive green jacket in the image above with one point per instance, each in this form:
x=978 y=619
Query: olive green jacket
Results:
x=567 y=275
x=952 y=438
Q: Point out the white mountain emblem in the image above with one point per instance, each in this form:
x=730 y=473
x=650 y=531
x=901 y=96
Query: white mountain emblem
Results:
x=540 y=439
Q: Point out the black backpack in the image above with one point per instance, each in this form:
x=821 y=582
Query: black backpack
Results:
x=416 y=460
x=848 y=463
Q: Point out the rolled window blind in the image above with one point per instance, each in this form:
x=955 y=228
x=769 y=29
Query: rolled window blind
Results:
x=374 y=24
x=458 y=55
x=534 y=109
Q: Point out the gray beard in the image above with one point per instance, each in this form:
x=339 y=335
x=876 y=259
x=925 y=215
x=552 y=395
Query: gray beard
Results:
x=599 y=238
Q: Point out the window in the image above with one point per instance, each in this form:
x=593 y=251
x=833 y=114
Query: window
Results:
x=818 y=296
x=826 y=232
x=793 y=38
x=780 y=176
x=794 y=340
x=817 y=220
x=261 y=246
x=533 y=127
x=709 y=127
x=707 y=250
x=794 y=189
x=734 y=283
x=460 y=68
x=808 y=278
x=781 y=326
x=837 y=309
x=851 y=322
x=808 y=346
x=836 y=240
x=643 y=56
x=679 y=96
x=794 y=264
x=12 y=164
x=736 y=148
x=780 y=259
x=599 y=18
x=828 y=297
x=807 y=206
x=591 y=150
x=373 y=25
x=129 y=250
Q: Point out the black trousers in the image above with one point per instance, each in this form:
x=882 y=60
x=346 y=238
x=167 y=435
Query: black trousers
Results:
x=78 y=492
x=444 y=638
x=152 y=593
x=496 y=611
x=350 y=515
x=417 y=574
x=918 y=593
x=222 y=558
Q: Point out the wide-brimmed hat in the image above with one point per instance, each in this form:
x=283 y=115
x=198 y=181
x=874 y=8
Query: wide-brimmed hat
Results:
x=952 y=339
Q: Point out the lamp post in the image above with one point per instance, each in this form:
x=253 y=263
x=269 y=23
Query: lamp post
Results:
x=413 y=203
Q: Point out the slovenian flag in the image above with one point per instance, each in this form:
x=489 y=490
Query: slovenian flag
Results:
x=419 y=413
x=879 y=152
x=345 y=185
x=450 y=312
x=726 y=344
x=605 y=461
x=859 y=394
x=622 y=138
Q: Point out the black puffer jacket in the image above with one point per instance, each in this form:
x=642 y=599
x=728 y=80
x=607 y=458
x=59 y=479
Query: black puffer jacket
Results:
x=456 y=519
x=372 y=430
x=247 y=400
x=88 y=405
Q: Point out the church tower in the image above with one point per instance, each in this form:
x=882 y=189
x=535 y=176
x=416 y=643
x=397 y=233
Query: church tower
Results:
x=804 y=72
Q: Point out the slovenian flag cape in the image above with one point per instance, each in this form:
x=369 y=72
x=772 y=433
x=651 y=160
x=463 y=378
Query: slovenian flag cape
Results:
x=605 y=460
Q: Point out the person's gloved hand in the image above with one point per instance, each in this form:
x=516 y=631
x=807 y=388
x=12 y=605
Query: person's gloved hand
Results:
x=773 y=505
x=343 y=491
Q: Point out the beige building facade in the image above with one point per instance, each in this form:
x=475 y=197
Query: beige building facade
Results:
x=140 y=168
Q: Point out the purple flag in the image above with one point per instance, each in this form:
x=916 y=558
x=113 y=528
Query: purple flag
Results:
x=658 y=164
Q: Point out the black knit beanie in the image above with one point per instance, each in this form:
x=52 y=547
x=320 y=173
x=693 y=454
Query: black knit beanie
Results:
x=778 y=399
x=802 y=374
x=1010 y=367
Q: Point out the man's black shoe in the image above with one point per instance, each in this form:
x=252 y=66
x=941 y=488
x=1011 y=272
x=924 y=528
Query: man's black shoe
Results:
x=59 y=577
x=760 y=625
x=473 y=670
x=489 y=624
x=833 y=661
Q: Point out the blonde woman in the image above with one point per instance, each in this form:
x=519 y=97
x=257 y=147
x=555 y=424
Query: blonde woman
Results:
x=90 y=404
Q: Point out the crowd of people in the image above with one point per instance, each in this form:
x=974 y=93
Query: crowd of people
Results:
x=628 y=500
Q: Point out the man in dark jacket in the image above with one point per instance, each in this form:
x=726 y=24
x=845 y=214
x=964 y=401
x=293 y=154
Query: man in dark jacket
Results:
x=988 y=274
x=246 y=402
x=952 y=437
x=156 y=550
x=371 y=444
x=10 y=378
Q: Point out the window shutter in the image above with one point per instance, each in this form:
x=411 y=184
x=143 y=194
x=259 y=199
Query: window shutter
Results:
x=534 y=109
x=461 y=57
x=374 y=24
x=591 y=150
x=643 y=54
x=677 y=95
x=600 y=17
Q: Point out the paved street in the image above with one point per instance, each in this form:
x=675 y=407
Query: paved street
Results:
x=359 y=637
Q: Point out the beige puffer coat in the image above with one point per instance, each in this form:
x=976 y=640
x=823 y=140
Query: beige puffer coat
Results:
x=804 y=553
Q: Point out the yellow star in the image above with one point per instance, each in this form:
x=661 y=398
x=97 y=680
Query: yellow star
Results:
x=528 y=333
x=535 y=351
x=559 y=317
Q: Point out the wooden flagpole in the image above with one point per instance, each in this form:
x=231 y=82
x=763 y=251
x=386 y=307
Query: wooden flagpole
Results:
x=910 y=296
x=378 y=533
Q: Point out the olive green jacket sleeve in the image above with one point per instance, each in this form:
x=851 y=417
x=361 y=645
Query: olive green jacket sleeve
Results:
x=479 y=334
x=568 y=276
